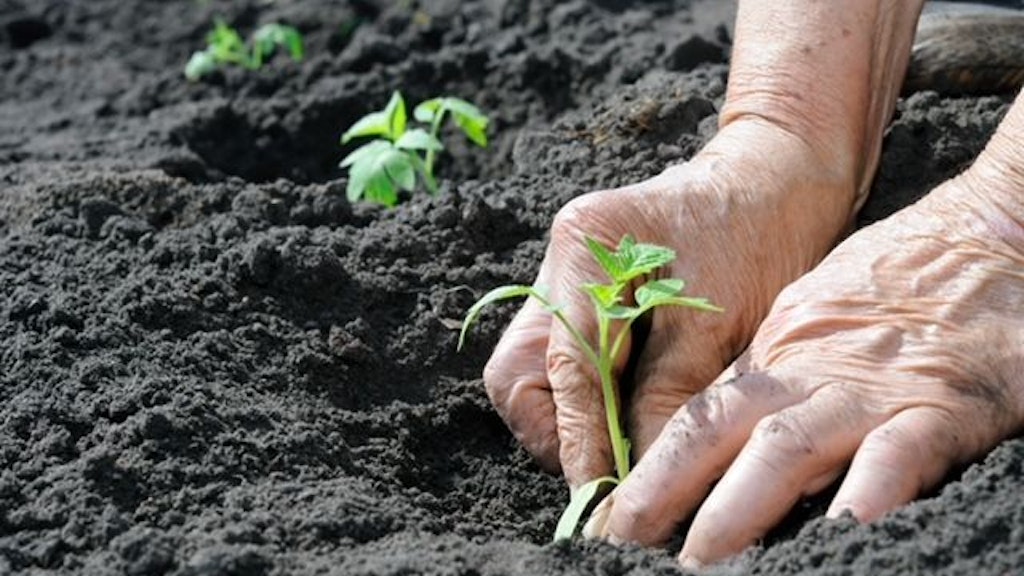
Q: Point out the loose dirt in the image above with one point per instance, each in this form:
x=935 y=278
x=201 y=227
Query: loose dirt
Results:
x=212 y=363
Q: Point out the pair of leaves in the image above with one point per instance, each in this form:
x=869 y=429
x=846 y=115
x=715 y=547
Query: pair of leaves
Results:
x=607 y=298
x=392 y=162
x=391 y=122
x=269 y=37
x=630 y=260
x=467 y=117
x=225 y=46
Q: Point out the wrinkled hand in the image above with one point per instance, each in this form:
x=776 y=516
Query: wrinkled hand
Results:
x=752 y=212
x=898 y=357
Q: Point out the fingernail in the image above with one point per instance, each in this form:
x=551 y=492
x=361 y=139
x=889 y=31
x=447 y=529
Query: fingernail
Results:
x=596 y=526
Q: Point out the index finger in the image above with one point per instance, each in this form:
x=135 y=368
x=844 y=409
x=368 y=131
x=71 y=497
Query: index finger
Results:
x=693 y=451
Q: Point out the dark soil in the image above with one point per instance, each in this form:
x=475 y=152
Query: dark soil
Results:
x=212 y=363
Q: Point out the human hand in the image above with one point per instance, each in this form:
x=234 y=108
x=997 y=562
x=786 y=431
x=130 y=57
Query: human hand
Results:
x=899 y=356
x=753 y=211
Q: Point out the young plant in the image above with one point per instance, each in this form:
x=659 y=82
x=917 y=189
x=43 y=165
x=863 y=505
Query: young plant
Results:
x=226 y=47
x=398 y=154
x=625 y=266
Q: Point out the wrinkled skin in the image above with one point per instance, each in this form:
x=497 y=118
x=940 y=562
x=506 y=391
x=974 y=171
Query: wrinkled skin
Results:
x=554 y=406
x=902 y=352
x=898 y=357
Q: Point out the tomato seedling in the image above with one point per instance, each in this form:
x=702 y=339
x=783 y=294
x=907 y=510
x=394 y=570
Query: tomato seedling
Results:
x=625 y=266
x=226 y=47
x=398 y=154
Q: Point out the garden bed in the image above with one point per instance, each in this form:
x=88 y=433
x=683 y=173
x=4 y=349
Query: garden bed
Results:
x=212 y=363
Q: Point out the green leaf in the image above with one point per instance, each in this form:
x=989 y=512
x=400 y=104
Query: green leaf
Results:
x=630 y=260
x=396 y=117
x=426 y=111
x=470 y=119
x=358 y=178
x=373 y=124
x=604 y=295
x=583 y=502
x=460 y=107
x=226 y=45
x=399 y=169
x=224 y=37
x=640 y=259
x=199 y=65
x=419 y=139
x=389 y=122
x=271 y=36
x=696 y=303
x=263 y=45
x=619 y=312
x=666 y=293
x=608 y=260
x=374 y=171
x=474 y=130
x=293 y=41
x=496 y=295
x=467 y=117
x=381 y=189
x=650 y=293
x=371 y=149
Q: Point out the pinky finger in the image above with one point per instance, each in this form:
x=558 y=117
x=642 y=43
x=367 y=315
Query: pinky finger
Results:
x=896 y=462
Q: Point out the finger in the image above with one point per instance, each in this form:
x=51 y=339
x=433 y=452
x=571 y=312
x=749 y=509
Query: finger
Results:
x=897 y=461
x=672 y=368
x=584 y=448
x=792 y=453
x=517 y=384
x=690 y=454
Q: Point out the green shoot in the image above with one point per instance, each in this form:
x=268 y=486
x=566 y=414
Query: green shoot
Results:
x=625 y=265
x=226 y=47
x=467 y=117
x=399 y=154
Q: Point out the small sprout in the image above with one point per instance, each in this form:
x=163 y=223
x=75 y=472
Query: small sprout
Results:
x=467 y=117
x=226 y=47
x=399 y=154
x=629 y=262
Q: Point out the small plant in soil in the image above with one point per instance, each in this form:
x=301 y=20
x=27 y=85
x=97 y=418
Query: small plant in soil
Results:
x=225 y=47
x=625 y=266
x=399 y=156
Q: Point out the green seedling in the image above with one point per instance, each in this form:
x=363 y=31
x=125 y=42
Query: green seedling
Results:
x=399 y=155
x=625 y=266
x=225 y=47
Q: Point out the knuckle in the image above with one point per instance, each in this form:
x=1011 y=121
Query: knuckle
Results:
x=783 y=438
x=574 y=216
x=592 y=214
x=698 y=423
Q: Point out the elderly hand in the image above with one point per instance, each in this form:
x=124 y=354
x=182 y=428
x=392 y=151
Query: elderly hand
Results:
x=745 y=221
x=897 y=358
